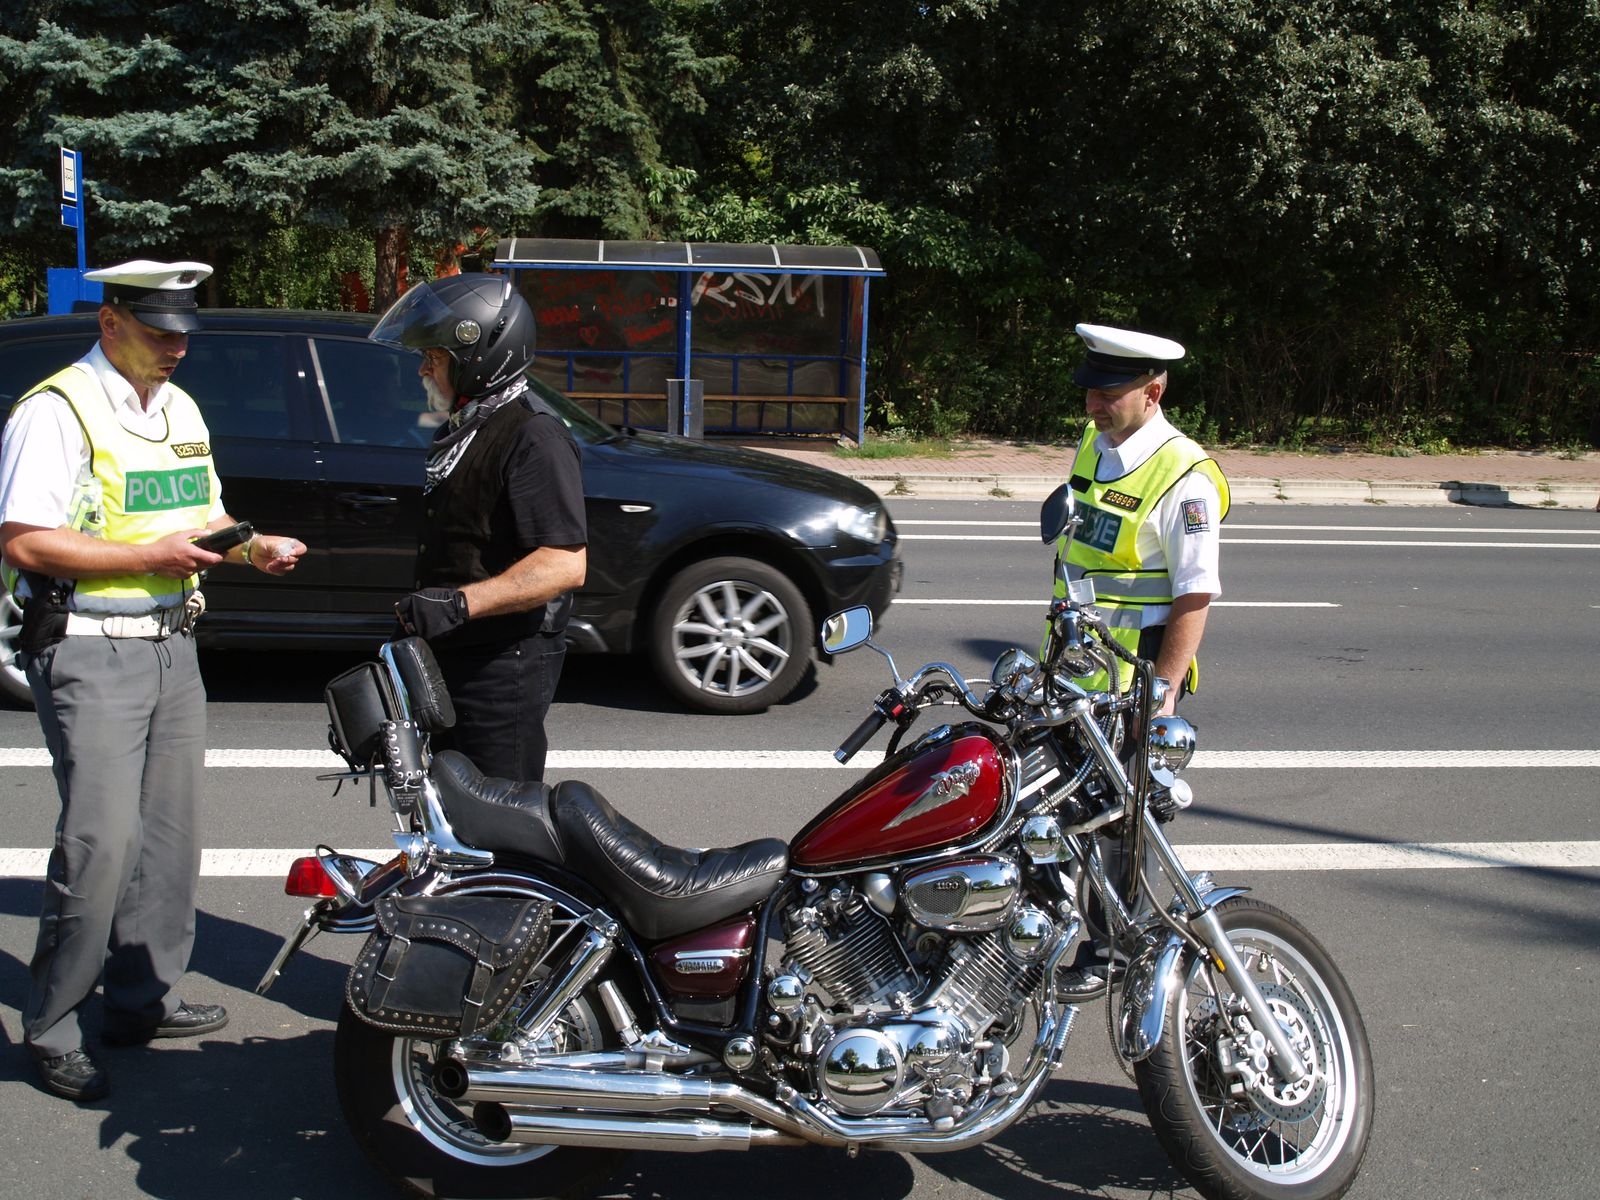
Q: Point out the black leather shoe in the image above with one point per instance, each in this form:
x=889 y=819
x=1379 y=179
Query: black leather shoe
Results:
x=74 y=1075
x=1081 y=984
x=190 y=1020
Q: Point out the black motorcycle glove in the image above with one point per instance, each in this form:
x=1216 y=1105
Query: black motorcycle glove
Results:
x=432 y=612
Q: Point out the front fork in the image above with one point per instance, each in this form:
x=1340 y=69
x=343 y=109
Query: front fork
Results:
x=1203 y=929
x=1155 y=972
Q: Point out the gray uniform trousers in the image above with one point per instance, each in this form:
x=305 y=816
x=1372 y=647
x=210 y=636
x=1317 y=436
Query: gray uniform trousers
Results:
x=125 y=722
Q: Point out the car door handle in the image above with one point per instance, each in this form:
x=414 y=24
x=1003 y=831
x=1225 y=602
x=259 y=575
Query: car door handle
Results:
x=365 y=499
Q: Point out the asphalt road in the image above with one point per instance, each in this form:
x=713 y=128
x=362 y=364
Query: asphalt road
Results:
x=1397 y=745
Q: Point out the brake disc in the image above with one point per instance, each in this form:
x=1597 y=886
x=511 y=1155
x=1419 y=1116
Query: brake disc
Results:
x=1274 y=1096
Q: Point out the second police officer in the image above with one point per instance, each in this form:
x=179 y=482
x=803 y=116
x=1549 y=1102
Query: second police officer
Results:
x=1151 y=501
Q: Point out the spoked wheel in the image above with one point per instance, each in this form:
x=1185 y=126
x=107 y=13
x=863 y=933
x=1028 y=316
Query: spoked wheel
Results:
x=1235 y=1127
x=428 y=1144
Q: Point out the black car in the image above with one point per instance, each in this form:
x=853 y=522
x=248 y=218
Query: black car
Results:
x=714 y=560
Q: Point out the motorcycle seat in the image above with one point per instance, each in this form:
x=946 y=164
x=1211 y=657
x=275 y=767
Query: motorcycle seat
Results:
x=487 y=813
x=660 y=890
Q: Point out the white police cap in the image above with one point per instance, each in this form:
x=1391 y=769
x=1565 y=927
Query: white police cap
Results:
x=1117 y=357
x=157 y=293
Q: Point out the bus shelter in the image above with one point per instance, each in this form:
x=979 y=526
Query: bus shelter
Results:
x=702 y=337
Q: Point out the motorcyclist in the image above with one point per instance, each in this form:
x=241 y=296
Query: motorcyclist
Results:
x=503 y=540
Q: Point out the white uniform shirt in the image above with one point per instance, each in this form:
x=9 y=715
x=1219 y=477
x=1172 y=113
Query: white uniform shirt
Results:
x=1167 y=540
x=45 y=452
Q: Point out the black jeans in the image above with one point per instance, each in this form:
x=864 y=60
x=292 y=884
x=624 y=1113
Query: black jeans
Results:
x=502 y=691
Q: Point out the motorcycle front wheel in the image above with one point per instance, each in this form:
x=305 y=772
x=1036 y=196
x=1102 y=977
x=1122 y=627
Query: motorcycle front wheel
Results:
x=1237 y=1132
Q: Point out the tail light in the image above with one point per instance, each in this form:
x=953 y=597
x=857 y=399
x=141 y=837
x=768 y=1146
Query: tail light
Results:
x=307 y=878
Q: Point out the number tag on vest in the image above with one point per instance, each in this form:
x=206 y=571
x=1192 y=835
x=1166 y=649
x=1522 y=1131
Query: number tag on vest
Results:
x=1100 y=529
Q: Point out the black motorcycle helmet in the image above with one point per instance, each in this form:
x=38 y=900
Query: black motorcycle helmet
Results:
x=480 y=320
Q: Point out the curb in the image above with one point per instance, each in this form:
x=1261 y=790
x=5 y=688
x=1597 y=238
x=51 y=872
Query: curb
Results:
x=1399 y=493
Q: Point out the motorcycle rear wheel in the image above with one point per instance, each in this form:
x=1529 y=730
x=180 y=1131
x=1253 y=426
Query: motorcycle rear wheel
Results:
x=1281 y=1142
x=427 y=1144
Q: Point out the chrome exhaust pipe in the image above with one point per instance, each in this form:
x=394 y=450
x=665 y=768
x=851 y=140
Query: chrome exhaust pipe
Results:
x=614 y=1131
x=624 y=1100
x=564 y=1087
x=621 y=1109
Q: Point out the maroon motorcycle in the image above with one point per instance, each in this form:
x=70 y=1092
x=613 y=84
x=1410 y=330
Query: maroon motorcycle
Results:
x=545 y=986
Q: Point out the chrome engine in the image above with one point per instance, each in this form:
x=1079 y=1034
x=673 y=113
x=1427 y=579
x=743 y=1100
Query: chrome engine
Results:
x=900 y=996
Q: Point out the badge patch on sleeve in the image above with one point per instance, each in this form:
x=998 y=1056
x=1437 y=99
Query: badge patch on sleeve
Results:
x=1195 y=517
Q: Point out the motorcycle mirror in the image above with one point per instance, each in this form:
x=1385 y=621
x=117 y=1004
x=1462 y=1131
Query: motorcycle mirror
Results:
x=846 y=630
x=1057 y=514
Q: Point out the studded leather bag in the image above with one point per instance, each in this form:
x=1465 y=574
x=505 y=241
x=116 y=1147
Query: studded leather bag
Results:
x=448 y=966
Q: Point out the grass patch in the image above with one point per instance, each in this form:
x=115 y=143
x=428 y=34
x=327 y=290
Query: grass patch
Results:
x=899 y=447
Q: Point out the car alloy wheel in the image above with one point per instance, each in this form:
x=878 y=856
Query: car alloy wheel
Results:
x=731 y=636
x=13 y=683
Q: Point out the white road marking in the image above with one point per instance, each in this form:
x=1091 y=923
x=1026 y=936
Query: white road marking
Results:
x=1040 y=604
x=1238 y=541
x=1298 y=856
x=811 y=760
x=1236 y=527
x=1400 y=856
x=1233 y=541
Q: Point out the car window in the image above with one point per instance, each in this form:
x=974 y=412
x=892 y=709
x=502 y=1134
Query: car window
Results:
x=25 y=365
x=586 y=429
x=240 y=382
x=373 y=393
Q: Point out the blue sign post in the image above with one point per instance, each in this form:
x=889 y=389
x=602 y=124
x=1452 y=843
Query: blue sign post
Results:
x=68 y=286
x=72 y=198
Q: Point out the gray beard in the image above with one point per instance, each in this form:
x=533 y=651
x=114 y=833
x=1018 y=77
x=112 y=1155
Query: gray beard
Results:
x=438 y=400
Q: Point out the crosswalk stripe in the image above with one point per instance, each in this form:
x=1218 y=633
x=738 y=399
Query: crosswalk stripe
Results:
x=812 y=760
x=30 y=863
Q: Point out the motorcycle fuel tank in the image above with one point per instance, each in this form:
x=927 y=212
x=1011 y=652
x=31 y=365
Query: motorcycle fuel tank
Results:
x=939 y=791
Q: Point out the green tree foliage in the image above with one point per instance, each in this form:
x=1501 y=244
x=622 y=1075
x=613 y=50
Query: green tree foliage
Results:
x=606 y=99
x=1364 y=219
x=395 y=117
x=1359 y=217
x=210 y=124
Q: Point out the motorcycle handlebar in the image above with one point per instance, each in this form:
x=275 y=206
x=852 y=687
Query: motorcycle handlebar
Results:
x=862 y=735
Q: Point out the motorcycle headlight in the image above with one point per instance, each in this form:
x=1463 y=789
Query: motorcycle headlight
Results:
x=864 y=524
x=1172 y=742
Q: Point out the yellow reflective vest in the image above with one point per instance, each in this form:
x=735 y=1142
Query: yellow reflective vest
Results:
x=1106 y=548
x=138 y=489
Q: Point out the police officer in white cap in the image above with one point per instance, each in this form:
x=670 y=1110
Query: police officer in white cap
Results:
x=106 y=479
x=1151 y=500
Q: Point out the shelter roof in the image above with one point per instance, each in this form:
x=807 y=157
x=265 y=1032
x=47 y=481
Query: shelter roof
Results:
x=580 y=254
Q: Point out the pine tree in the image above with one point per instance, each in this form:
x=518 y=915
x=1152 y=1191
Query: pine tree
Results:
x=209 y=124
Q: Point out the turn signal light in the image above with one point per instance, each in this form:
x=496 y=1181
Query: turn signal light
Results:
x=307 y=878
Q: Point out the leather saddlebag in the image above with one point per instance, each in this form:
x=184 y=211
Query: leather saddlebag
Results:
x=446 y=966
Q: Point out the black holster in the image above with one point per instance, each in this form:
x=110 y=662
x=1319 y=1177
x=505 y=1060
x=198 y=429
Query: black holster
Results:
x=44 y=613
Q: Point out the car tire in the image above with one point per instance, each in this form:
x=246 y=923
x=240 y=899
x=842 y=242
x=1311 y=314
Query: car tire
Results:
x=731 y=635
x=13 y=683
